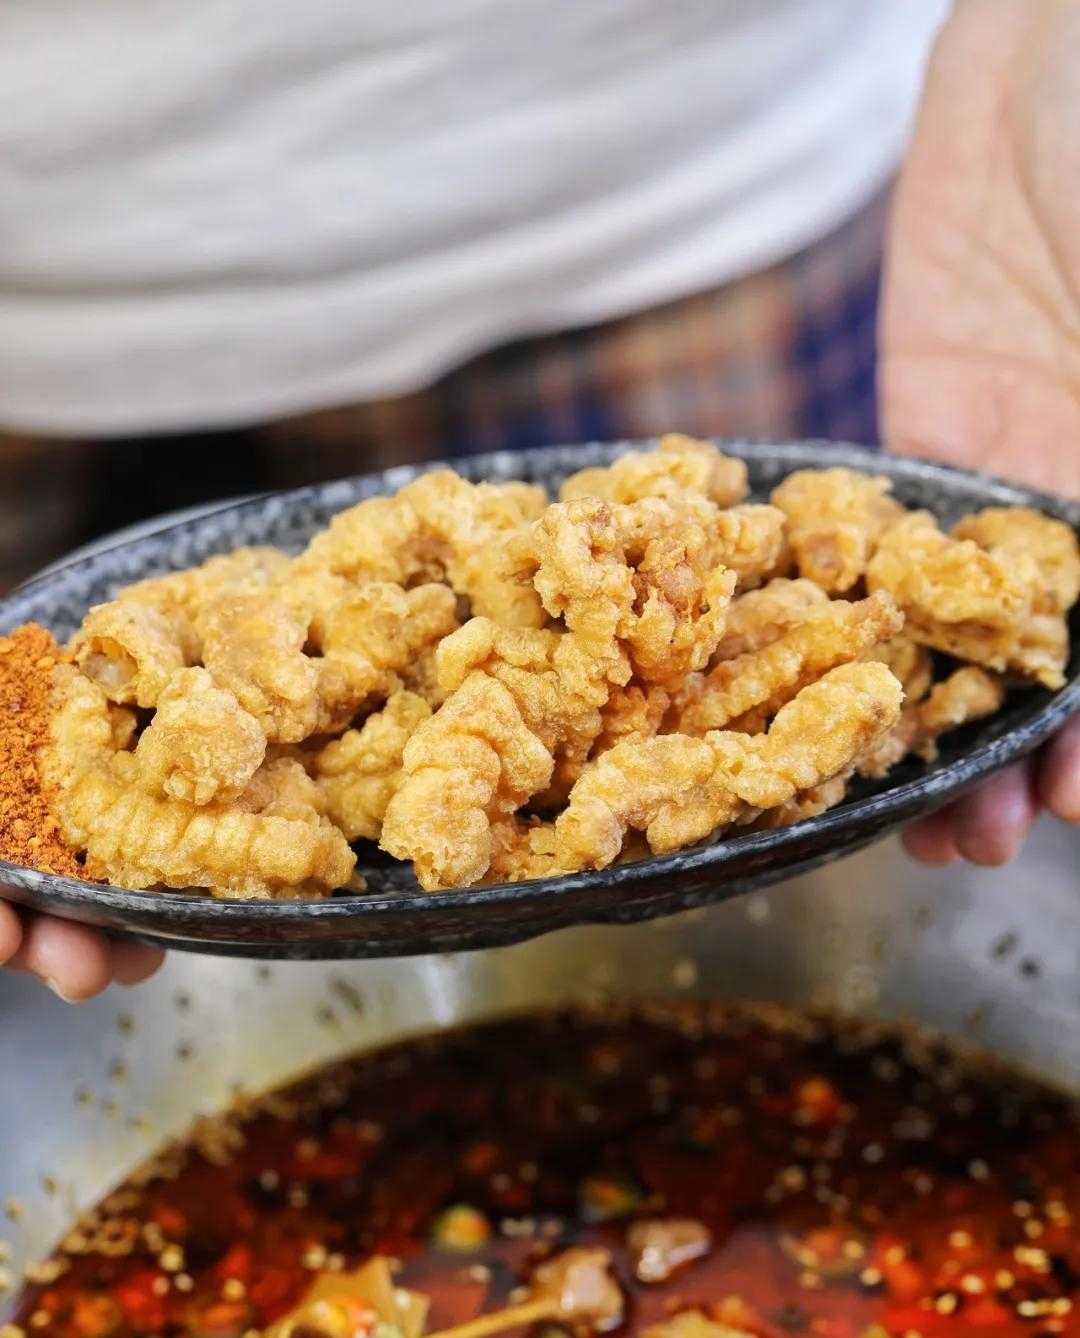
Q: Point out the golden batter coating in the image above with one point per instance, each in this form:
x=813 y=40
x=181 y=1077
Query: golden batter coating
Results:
x=438 y=527
x=973 y=604
x=1017 y=534
x=131 y=650
x=201 y=744
x=762 y=681
x=678 y=789
x=134 y=839
x=360 y=772
x=762 y=616
x=679 y=465
x=967 y=694
x=835 y=519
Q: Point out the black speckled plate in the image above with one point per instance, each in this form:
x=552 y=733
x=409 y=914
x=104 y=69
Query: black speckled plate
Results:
x=394 y=918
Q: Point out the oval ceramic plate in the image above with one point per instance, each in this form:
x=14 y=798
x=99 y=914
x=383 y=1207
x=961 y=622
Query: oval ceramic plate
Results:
x=394 y=918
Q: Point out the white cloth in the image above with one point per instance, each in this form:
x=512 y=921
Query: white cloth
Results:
x=217 y=211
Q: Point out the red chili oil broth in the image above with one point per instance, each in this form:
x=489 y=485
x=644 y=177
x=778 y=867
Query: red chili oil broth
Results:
x=850 y=1177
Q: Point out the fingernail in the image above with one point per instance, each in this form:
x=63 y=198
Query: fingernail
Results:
x=58 y=990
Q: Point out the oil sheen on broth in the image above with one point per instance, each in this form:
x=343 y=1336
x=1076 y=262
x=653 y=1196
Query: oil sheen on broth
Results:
x=855 y=1182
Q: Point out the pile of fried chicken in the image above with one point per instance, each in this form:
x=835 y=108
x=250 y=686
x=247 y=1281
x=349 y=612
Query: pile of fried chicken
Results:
x=496 y=687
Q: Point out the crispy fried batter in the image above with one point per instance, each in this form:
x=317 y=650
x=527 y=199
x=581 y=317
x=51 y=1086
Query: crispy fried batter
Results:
x=243 y=569
x=201 y=744
x=645 y=578
x=521 y=848
x=181 y=595
x=473 y=761
x=967 y=694
x=360 y=772
x=549 y=696
x=134 y=839
x=131 y=650
x=681 y=590
x=835 y=518
x=751 y=541
x=809 y=803
x=1016 y=534
x=679 y=465
x=631 y=712
x=973 y=604
x=678 y=790
x=762 y=681
x=388 y=628
x=376 y=635
x=254 y=647
x=438 y=527
x=911 y=663
x=762 y=616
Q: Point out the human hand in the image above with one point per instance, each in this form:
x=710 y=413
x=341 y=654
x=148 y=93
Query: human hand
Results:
x=980 y=329
x=76 y=962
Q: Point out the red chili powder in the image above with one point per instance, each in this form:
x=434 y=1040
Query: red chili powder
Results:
x=29 y=831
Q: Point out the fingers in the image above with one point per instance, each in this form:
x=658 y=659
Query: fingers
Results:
x=11 y=932
x=988 y=826
x=992 y=823
x=930 y=840
x=74 y=961
x=1058 y=777
x=132 y=963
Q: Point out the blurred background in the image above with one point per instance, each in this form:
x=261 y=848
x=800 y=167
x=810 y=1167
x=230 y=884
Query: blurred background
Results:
x=243 y=254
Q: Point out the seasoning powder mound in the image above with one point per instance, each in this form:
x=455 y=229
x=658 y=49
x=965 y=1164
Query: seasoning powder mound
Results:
x=29 y=832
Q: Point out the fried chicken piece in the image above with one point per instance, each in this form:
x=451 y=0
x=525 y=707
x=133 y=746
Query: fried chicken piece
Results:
x=678 y=465
x=374 y=626
x=131 y=650
x=517 y=697
x=473 y=761
x=138 y=840
x=360 y=772
x=911 y=663
x=751 y=541
x=201 y=744
x=282 y=788
x=760 y=682
x=970 y=603
x=645 y=578
x=376 y=635
x=809 y=804
x=835 y=519
x=1017 y=534
x=679 y=790
x=631 y=712
x=181 y=595
x=438 y=527
x=759 y=617
x=559 y=688
x=967 y=694
x=521 y=848
x=681 y=593
x=575 y=556
x=254 y=647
